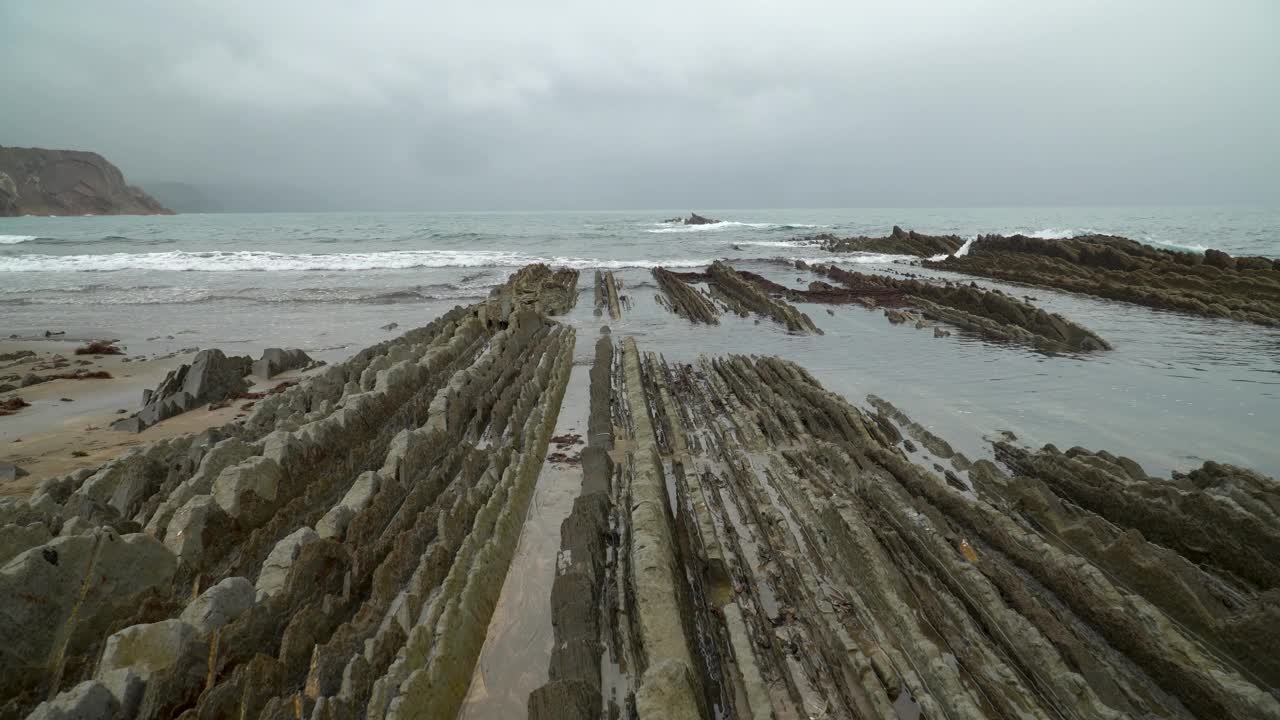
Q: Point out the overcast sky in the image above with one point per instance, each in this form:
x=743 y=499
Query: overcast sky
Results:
x=519 y=104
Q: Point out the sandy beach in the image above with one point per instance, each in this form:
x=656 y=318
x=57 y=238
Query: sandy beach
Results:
x=66 y=425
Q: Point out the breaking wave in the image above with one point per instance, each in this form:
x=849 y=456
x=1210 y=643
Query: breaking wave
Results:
x=261 y=261
x=724 y=225
x=15 y=239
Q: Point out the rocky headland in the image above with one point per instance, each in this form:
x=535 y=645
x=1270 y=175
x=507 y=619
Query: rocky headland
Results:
x=742 y=543
x=36 y=181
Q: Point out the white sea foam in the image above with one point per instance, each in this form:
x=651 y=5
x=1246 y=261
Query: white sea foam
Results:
x=724 y=225
x=858 y=259
x=774 y=243
x=1178 y=246
x=960 y=252
x=254 y=261
x=1058 y=233
x=15 y=239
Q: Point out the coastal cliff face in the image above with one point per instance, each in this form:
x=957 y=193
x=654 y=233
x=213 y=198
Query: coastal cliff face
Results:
x=36 y=181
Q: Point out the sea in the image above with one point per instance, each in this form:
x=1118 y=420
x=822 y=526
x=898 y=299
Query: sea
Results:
x=1175 y=391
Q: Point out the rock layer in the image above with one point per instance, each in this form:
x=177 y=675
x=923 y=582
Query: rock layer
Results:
x=990 y=313
x=684 y=300
x=1214 y=284
x=897 y=242
x=246 y=595
x=772 y=551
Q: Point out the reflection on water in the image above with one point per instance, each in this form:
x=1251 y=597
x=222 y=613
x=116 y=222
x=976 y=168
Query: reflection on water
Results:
x=1174 y=390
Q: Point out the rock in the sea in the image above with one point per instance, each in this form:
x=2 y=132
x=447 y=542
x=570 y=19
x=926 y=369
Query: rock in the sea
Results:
x=696 y=219
x=1214 y=284
x=36 y=181
x=275 y=361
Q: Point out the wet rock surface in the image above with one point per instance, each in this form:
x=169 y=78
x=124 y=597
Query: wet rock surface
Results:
x=1214 y=284
x=684 y=300
x=743 y=543
x=606 y=295
x=989 y=313
x=732 y=291
x=231 y=603
x=897 y=242
x=772 y=551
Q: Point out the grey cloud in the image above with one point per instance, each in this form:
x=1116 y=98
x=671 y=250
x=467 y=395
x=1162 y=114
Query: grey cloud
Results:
x=505 y=104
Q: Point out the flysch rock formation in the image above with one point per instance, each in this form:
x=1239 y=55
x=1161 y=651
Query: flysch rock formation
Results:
x=1213 y=284
x=734 y=291
x=684 y=300
x=897 y=242
x=749 y=545
x=335 y=555
x=989 y=313
x=210 y=376
x=745 y=544
x=606 y=295
x=36 y=181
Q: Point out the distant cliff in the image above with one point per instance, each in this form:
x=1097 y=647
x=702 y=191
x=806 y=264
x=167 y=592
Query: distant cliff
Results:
x=35 y=181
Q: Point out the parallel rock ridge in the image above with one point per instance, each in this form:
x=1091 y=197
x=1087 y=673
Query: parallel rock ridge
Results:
x=897 y=242
x=1214 y=284
x=742 y=296
x=746 y=544
x=336 y=555
x=772 y=551
x=36 y=181
x=987 y=312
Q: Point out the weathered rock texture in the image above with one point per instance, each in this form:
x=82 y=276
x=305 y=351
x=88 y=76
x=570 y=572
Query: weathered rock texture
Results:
x=990 y=313
x=276 y=360
x=1214 y=284
x=743 y=296
x=772 y=552
x=606 y=293
x=36 y=181
x=682 y=299
x=210 y=377
x=897 y=242
x=336 y=555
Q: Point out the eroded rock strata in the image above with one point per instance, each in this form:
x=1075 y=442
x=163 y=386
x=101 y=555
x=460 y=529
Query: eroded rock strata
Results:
x=1213 y=284
x=745 y=544
x=772 y=551
x=684 y=300
x=336 y=555
x=606 y=294
x=739 y=294
x=990 y=313
x=897 y=242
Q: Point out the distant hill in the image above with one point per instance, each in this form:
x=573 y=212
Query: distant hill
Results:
x=185 y=198
x=36 y=181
